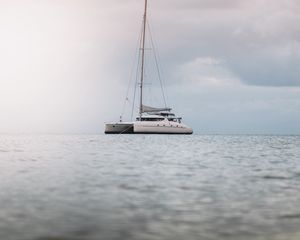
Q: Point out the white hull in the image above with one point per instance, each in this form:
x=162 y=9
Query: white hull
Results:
x=147 y=127
x=162 y=127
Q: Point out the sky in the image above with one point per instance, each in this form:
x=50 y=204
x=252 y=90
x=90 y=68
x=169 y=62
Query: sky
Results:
x=228 y=66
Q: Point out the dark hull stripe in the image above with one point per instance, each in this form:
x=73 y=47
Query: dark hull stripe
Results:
x=148 y=133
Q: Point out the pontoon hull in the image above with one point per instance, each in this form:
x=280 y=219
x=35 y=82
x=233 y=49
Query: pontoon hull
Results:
x=164 y=127
x=147 y=128
x=119 y=128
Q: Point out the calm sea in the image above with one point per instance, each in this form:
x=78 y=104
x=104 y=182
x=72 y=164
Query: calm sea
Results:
x=149 y=187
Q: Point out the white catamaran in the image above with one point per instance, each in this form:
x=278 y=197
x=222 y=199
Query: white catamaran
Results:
x=150 y=120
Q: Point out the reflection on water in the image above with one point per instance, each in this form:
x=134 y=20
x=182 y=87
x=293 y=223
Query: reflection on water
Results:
x=149 y=187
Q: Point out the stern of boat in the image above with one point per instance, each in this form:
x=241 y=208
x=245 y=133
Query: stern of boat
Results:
x=118 y=128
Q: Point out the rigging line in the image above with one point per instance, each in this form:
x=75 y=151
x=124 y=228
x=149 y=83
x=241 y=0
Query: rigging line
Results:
x=137 y=72
x=125 y=130
x=135 y=88
x=157 y=66
x=131 y=77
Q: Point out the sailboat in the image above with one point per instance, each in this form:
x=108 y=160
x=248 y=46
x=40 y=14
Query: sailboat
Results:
x=150 y=120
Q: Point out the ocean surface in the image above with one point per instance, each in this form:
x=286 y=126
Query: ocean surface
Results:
x=93 y=187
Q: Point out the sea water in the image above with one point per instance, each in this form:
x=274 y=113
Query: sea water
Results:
x=139 y=187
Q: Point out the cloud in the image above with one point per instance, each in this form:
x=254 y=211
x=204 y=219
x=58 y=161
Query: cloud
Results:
x=259 y=40
x=200 y=5
x=207 y=71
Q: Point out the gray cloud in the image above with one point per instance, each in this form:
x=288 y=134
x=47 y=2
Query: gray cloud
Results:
x=259 y=39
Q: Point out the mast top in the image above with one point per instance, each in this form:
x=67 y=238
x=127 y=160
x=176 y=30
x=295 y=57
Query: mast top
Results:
x=146 y=4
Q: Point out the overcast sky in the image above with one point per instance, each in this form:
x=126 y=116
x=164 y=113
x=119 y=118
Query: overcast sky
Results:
x=229 y=66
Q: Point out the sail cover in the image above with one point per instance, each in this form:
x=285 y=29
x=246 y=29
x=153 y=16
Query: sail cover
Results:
x=147 y=109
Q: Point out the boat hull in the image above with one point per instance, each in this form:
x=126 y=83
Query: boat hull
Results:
x=164 y=127
x=147 y=128
x=119 y=128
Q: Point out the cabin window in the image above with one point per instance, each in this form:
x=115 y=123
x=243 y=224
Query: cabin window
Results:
x=152 y=119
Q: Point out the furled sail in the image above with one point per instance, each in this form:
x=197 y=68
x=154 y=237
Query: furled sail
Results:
x=147 y=109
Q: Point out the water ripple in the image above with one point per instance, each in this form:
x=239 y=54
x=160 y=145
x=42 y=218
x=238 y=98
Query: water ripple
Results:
x=149 y=187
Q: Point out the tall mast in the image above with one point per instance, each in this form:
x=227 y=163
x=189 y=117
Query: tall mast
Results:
x=143 y=60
